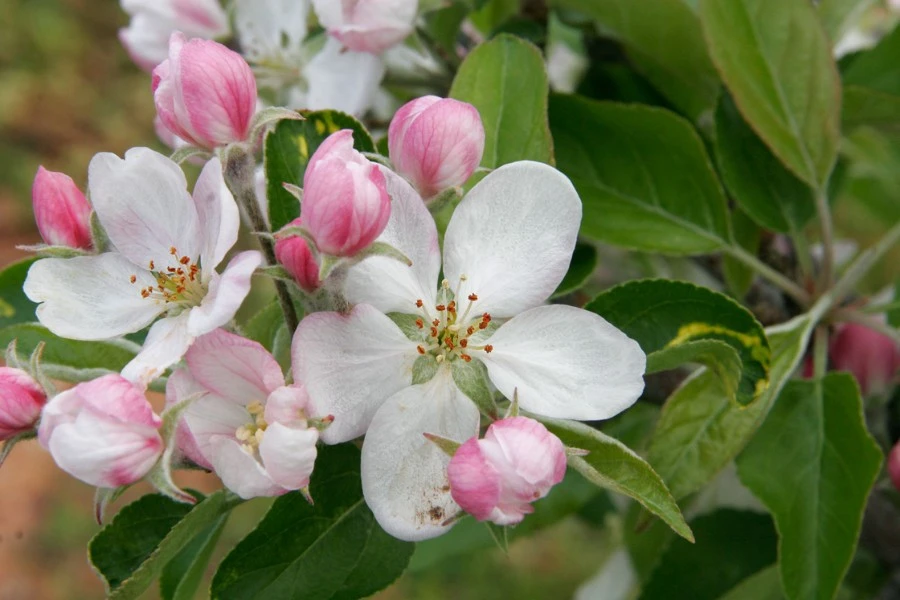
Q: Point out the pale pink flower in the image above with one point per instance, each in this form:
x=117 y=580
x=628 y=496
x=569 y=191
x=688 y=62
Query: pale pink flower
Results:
x=61 y=211
x=436 y=143
x=295 y=256
x=204 y=92
x=345 y=202
x=146 y=39
x=498 y=477
x=103 y=432
x=367 y=25
x=249 y=427
x=872 y=357
x=21 y=400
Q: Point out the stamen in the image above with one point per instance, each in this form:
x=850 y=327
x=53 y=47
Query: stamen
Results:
x=133 y=278
x=173 y=251
x=473 y=297
x=440 y=308
x=419 y=303
x=420 y=349
x=420 y=323
x=184 y=260
x=466 y=357
x=464 y=342
x=488 y=348
x=152 y=266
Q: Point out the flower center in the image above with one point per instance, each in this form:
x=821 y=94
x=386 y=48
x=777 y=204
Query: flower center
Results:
x=251 y=433
x=175 y=285
x=447 y=329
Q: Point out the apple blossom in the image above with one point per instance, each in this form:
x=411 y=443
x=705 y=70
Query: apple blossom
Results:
x=249 y=427
x=893 y=465
x=872 y=357
x=21 y=400
x=294 y=254
x=498 y=477
x=345 y=202
x=367 y=25
x=153 y=21
x=167 y=246
x=507 y=247
x=61 y=211
x=436 y=143
x=204 y=92
x=103 y=432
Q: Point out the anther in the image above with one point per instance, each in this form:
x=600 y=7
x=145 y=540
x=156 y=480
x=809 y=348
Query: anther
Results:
x=440 y=308
x=420 y=349
x=466 y=357
x=488 y=348
x=470 y=330
x=184 y=260
x=473 y=297
x=434 y=332
x=464 y=342
x=436 y=322
x=152 y=266
x=173 y=251
x=420 y=323
x=133 y=278
x=419 y=303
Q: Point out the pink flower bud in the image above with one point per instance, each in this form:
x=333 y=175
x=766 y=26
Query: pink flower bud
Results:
x=497 y=478
x=893 y=465
x=103 y=432
x=345 y=200
x=872 y=357
x=367 y=25
x=295 y=256
x=436 y=143
x=61 y=211
x=204 y=92
x=21 y=400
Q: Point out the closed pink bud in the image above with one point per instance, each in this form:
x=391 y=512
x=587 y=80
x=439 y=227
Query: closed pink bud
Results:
x=21 y=400
x=61 y=211
x=345 y=200
x=103 y=432
x=436 y=143
x=295 y=256
x=204 y=92
x=872 y=357
x=367 y=25
x=893 y=465
x=498 y=477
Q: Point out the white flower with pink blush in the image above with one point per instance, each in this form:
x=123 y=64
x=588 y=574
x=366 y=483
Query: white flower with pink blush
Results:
x=367 y=25
x=103 y=432
x=496 y=478
x=506 y=249
x=167 y=245
x=247 y=425
x=61 y=211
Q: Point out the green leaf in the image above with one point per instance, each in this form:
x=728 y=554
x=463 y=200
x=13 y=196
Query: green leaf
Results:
x=490 y=14
x=643 y=175
x=15 y=307
x=765 y=189
x=505 y=79
x=877 y=69
x=746 y=234
x=731 y=545
x=865 y=106
x=669 y=319
x=664 y=40
x=70 y=360
x=443 y=24
x=776 y=61
x=133 y=549
x=582 y=266
x=333 y=549
x=183 y=575
x=813 y=463
x=839 y=16
x=288 y=149
x=612 y=465
x=764 y=585
x=268 y=328
x=700 y=430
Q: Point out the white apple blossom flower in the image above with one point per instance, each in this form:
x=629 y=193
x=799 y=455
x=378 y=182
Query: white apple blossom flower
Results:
x=506 y=250
x=166 y=247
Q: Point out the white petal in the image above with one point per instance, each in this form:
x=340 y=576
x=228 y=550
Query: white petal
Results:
x=350 y=364
x=143 y=203
x=226 y=294
x=212 y=417
x=513 y=236
x=289 y=454
x=166 y=343
x=271 y=30
x=404 y=475
x=342 y=79
x=566 y=363
x=386 y=283
x=91 y=297
x=234 y=367
x=218 y=214
x=240 y=472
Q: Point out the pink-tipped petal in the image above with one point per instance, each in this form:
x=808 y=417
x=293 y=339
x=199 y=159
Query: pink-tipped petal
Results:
x=295 y=256
x=21 y=400
x=474 y=484
x=61 y=211
x=367 y=25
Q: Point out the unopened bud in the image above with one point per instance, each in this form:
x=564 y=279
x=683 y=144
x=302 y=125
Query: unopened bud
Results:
x=61 y=211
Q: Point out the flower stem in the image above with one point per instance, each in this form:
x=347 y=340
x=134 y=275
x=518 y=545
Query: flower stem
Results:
x=789 y=287
x=827 y=277
x=239 y=175
x=820 y=351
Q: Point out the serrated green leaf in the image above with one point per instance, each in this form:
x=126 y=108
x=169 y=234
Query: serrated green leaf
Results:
x=582 y=266
x=700 y=430
x=719 y=356
x=612 y=465
x=15 y=307
x=288 y=148
x=763 y=585
x=663 y=316
x=813 y=463
x=643 y=175
x=776 y=61
x=505 y=79
x=687 y=76
x=773 y=196
x=183 y=575
x=731 y=545
x=332 y=549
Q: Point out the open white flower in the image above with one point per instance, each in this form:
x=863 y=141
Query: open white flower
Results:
x=167 y=245
x=506 y=250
